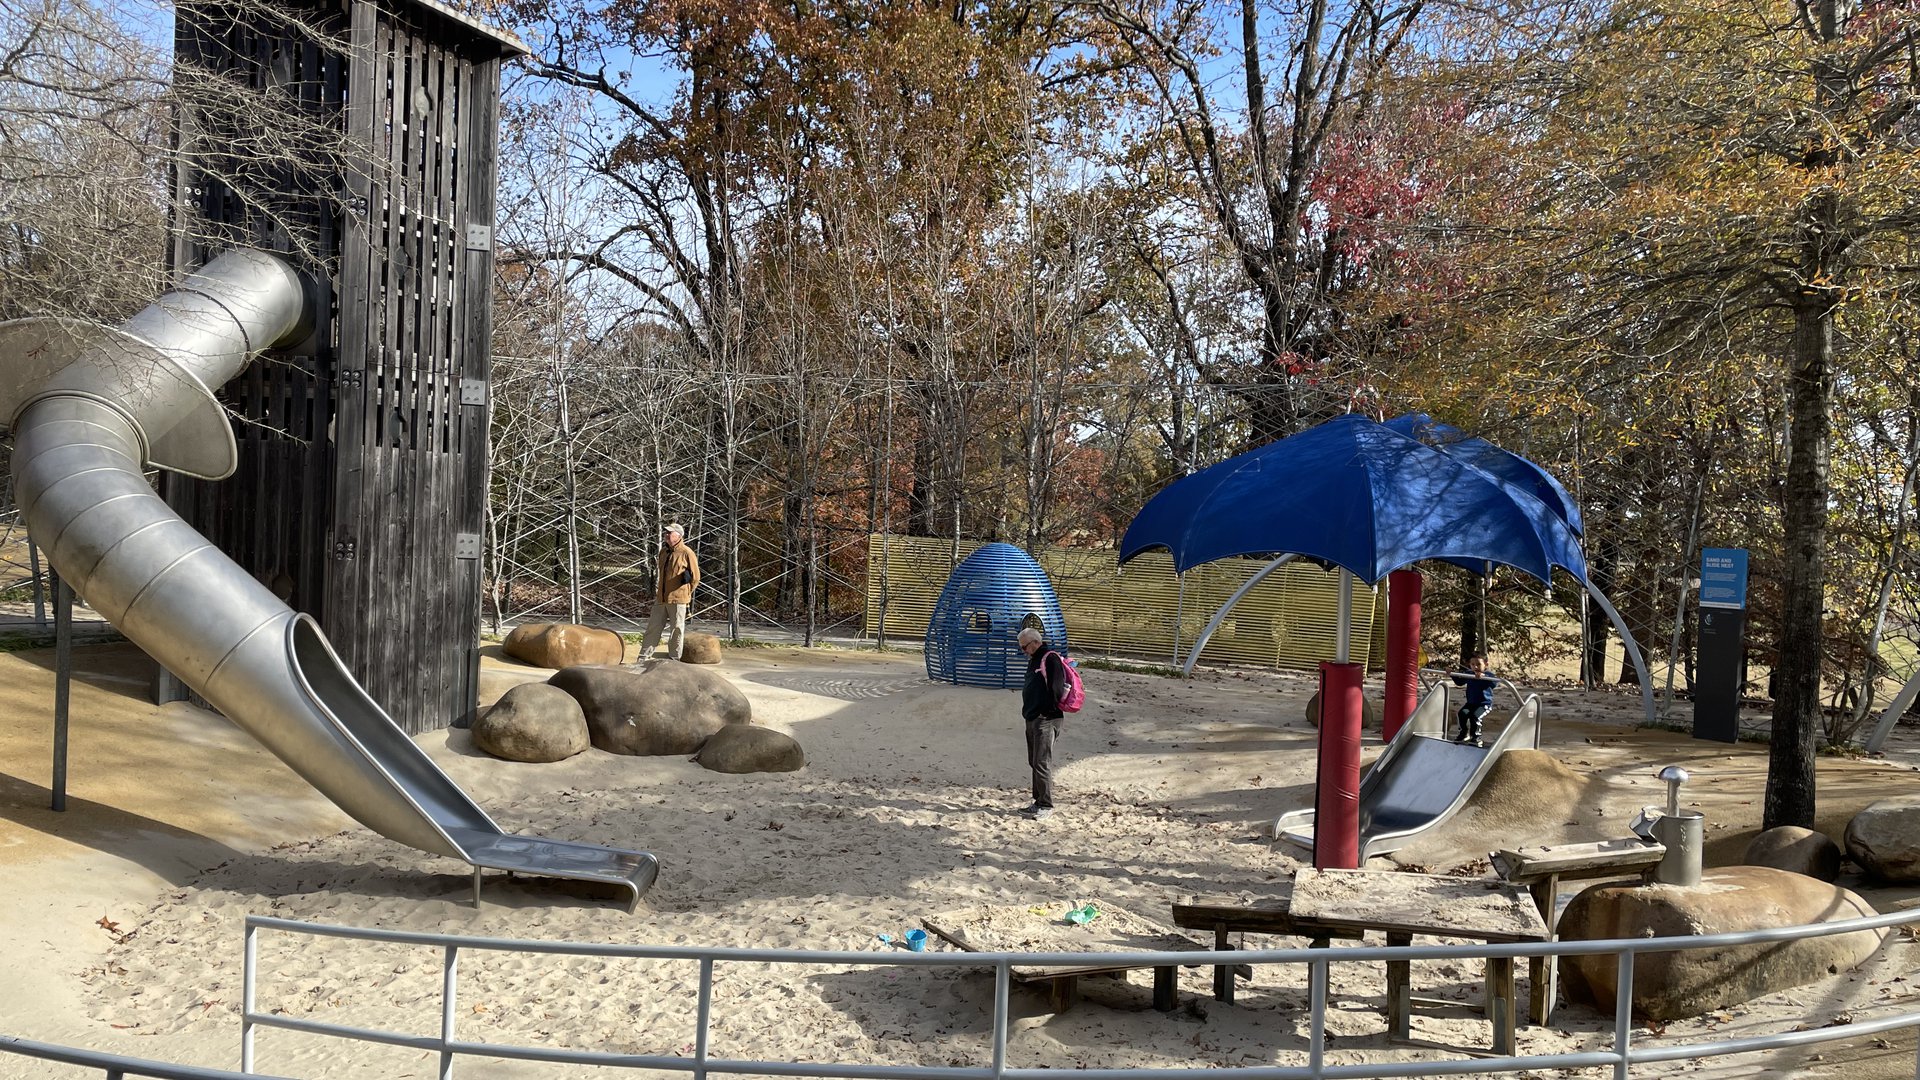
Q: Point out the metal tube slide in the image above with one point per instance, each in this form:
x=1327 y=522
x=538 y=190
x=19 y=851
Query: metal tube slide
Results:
x=96 y=408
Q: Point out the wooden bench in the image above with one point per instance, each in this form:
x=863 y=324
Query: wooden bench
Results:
x=1026 y=928
x=1224 y=916
x=1541 y=869
x=1402 y=905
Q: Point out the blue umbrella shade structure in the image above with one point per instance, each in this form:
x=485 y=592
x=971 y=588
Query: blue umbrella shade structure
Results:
x=1355 y=494
x=1503 y=465
x=989 y=598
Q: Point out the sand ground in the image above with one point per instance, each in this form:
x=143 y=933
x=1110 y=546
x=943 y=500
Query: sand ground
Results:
x=123 y=928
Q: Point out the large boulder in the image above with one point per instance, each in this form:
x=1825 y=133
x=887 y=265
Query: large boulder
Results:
x=497 y=679
x=1668 y=986
x=660 y=707
x=743 y=748
x=1369 y=715
x=563 y=645
x=532 y=722
x=1884 y=839
x=699 y=648
x=1797 y=851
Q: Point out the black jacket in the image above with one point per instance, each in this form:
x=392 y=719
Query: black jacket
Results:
x=1040 y=697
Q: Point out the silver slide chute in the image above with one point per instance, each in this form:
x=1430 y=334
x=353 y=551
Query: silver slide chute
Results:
x=91 y=408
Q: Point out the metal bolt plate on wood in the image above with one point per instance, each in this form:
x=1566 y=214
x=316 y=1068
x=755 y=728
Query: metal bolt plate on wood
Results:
x=473 y=391
x=479 y=237
x=466 y=545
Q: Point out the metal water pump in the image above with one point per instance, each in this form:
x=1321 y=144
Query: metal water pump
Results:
x=1682 y=832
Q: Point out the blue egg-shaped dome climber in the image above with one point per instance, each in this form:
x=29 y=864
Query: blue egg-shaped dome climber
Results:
x=972 y=639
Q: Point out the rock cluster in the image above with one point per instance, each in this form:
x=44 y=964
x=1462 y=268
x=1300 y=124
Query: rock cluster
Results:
x=650 y=709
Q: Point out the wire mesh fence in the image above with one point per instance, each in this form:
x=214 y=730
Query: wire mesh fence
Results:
x=1144 y=610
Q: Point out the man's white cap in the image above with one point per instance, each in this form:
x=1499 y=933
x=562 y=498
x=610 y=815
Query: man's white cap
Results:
x=676 y=529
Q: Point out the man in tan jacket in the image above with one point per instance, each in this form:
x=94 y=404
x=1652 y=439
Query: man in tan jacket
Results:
x=679 y=572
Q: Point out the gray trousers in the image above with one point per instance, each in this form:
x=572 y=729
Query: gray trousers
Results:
x=672 y=618
x=1040 y=736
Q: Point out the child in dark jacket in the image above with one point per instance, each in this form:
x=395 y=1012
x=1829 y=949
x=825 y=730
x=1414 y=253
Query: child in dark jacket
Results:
x=1479 y=683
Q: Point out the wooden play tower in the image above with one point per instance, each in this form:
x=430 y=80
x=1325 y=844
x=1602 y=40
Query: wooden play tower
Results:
x=361 y=487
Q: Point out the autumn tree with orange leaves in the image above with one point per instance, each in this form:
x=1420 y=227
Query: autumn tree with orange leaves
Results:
x=1697 y=226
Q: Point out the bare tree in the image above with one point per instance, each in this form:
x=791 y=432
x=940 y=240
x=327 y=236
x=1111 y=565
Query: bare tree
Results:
x=83 y=173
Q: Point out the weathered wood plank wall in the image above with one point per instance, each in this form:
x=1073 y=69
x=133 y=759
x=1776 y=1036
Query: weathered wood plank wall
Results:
x=363 y=465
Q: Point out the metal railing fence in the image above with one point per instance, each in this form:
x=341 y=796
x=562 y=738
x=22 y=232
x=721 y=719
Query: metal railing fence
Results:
x=1623 y=1055
x=117 y=1066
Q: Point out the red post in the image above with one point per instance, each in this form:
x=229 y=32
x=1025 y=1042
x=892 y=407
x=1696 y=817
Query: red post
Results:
x=1336 y=802
x=1403 y=649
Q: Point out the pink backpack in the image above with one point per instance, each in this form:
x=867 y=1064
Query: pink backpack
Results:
x=1076 y=694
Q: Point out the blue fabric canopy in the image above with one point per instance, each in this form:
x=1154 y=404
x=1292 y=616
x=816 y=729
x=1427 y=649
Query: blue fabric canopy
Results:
x=1356 y=494
x=1488 y=458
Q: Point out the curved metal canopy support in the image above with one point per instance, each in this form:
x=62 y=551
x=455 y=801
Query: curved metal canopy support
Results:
x=1619 y=625
x=1193 y=654
x=1895 y=708
x=1633 y=650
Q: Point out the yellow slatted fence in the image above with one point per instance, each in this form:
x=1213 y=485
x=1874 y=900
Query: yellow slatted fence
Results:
x=1144 y=610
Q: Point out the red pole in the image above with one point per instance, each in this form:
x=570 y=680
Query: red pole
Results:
x=1403 y=649
x=1336 y=803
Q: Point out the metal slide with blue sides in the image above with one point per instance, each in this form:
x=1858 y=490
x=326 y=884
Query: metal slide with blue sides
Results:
x=91 y=408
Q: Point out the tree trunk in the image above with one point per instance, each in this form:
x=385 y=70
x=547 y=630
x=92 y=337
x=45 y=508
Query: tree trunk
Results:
x=1473 y=620
x=570 y=491
x=920 y=496
x=719 y=503
x=1796 y=705
x=1593 y=665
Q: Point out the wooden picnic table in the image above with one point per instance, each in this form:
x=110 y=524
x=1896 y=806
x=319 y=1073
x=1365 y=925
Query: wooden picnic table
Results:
x=1401 y=905
x=1225 y=915
x=1541 y=869
x=1045 y=928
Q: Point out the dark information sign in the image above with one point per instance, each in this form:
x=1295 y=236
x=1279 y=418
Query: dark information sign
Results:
x=1723 y=627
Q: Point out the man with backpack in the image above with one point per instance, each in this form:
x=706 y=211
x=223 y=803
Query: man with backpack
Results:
x=1049 y=680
